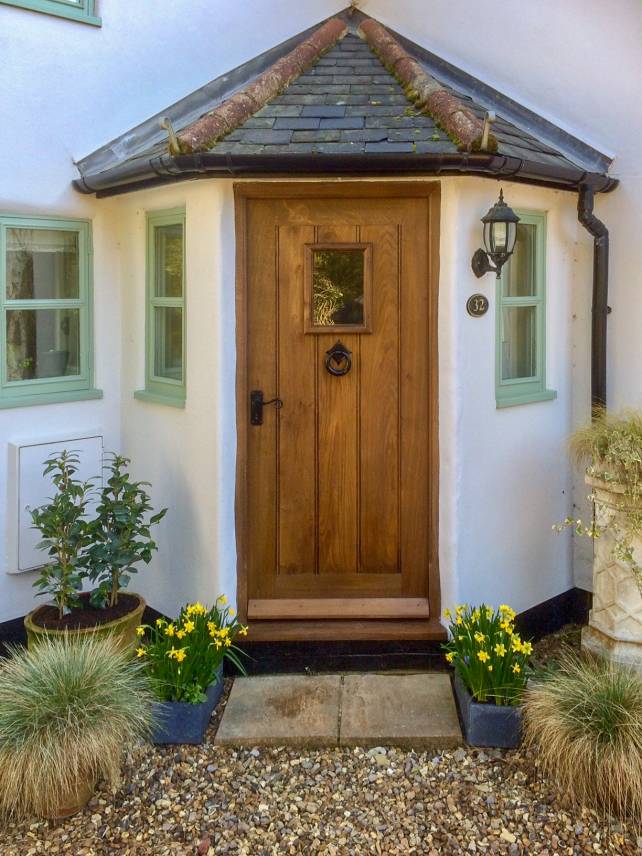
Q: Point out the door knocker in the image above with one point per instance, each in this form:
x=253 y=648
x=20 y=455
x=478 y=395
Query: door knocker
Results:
x=338 y=360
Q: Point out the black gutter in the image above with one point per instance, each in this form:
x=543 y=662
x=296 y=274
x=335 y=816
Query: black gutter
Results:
x=600 y=308
x=147 y=172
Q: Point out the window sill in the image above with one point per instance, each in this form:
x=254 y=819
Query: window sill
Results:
x=528 y=398
x=67 y=12
x=158 y=398
x=50 y=398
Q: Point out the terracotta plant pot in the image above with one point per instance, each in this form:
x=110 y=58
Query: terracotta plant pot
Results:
x=75 y=801
x=123 y=628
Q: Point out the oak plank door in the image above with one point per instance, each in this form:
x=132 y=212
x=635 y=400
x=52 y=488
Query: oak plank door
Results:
x=339 y=500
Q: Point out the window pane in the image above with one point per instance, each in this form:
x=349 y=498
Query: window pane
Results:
x=168 y=267
x=520 y=279
x=168 y=342
x=337 y=287
x=43 y=343
x=42 y=264
x=519 y=358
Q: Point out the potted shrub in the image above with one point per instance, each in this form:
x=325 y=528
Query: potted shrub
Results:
x=491 y=665
x=584 y=720
x=68 y=708
x=105 y=550
x=611 y=448
x=184 y=659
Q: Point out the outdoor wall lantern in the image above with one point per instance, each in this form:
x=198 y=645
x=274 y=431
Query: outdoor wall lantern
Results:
x=500 y=231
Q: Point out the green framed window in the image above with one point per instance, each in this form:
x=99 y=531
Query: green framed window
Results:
x=46 y=347
x=521 y=317
x=76 y=10
x=165 y=321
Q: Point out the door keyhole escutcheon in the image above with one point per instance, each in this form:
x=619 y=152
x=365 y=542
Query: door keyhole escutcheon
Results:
x=338 y=359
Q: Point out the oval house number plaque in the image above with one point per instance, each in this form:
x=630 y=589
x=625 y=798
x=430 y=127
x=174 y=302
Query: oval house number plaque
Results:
x=477 y=305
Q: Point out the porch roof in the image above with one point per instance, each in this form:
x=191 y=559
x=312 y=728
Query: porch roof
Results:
x=348 y=97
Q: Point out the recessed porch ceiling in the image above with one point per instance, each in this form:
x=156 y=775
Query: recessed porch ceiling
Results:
x=347 y=97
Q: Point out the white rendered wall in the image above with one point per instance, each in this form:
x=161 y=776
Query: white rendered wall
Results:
x=69 y=88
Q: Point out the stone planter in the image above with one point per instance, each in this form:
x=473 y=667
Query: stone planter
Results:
x=615 y=622
x=496 y=725
x=181 y=722
x=124 y=628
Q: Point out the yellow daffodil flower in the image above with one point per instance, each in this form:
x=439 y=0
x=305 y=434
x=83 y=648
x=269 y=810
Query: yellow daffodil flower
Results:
x=243 y=631
x=228 y=642
x=450 y=656
x=223 y=632
x=516 y=643
x=500 y=650
x=447 y=613
x=218 y=644
x=489 y=667
x=527 y=648
x=170 y=630
x=221 y=601
x=479 y=637
x=180 y=634
x=172 y=652
x=517 y=668
x=231 y=613
x=483 y=656
x=160 y=622
x=189 y=626
x=180 y=655
x=140 y=631
x=140 y=652
x=489 y=613
x=459 y=620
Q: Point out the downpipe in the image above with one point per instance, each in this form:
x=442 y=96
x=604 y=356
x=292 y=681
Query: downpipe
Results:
x=600 y=307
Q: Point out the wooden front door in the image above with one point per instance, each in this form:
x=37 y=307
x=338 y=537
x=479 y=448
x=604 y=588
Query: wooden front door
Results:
x=338 y=323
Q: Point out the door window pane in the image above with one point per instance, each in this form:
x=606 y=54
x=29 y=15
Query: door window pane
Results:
x=42 y=343
x=520 y=280
x=42 y=264
x=337 y=287
x=519 y=359
x=168 y=342
x=168 y=267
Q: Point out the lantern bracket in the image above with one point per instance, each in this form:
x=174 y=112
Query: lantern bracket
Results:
x=481 y=265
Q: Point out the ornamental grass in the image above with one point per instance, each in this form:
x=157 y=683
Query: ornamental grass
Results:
x=68 y=707
x=585 y=722
x=487 y=652
x=183 y=656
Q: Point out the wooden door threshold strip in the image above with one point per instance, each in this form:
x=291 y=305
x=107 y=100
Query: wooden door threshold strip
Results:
x=339 y=608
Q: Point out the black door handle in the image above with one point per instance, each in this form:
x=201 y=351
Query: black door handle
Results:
x=257 y=404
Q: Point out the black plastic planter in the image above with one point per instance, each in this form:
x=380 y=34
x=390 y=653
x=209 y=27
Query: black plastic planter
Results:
x=181 y=722
x=496 y=725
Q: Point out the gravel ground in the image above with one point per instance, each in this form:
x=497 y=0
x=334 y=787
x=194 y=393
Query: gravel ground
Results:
x=208 y=800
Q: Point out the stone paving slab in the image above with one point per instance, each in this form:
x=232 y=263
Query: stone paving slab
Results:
x=415 y=711
x=412 y=711
x=282 y=710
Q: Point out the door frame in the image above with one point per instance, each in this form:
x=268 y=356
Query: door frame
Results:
x=328 y=629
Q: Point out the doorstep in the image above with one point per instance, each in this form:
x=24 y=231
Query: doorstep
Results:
x=412 y=710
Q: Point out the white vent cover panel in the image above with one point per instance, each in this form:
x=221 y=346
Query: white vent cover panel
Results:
x=32 y=489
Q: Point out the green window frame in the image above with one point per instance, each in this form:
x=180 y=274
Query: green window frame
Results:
x=83 y=11
x=165 y=378
x=66 y=374
x=520 y=374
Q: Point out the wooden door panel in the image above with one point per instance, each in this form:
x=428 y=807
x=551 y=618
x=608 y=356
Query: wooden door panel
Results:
x=295 y=470
x=379 y=410
x=338 y=480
